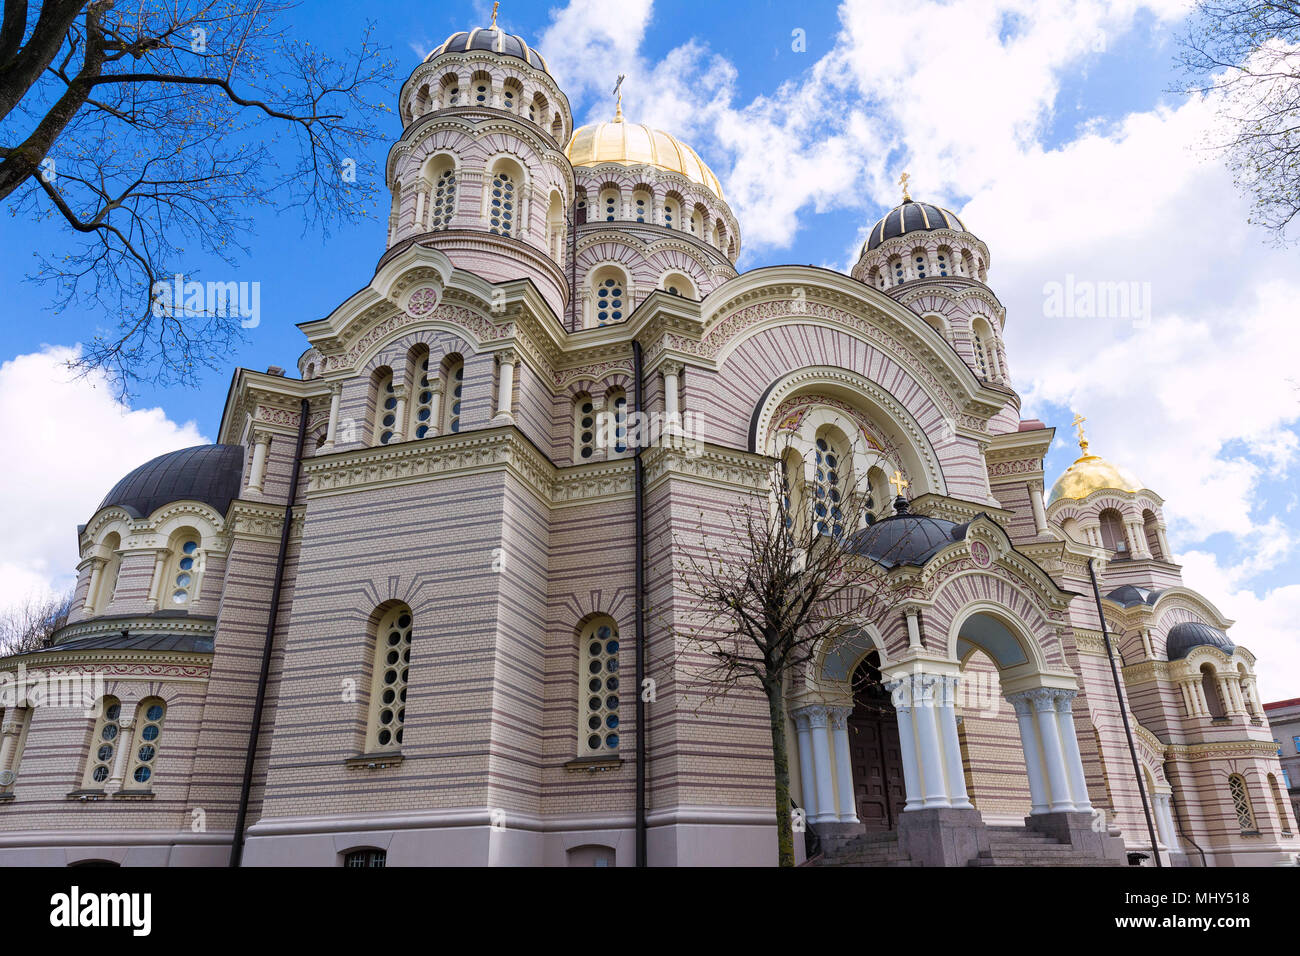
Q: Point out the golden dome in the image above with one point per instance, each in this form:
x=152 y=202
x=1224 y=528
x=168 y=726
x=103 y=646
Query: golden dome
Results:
x=634 y=144
x=1091 y=473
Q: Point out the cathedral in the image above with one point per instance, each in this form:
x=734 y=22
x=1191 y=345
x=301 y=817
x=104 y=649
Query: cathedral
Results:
x=383 y=620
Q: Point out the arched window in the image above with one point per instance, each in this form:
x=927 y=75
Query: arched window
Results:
x=395 y=212
x=442 y=204
x=555 y=227
x=830 y=474
x=616 y=405
x=481 y=89
x=538 y=110
x=608 y=296
x=385 y=406
x=793 y=497
x=512 y=94
x=672 y=213
x=1279 y=806
x=642 y=206
x=584 y=428
x=918 y=260
x=936 y=322
x=678 y=283
x=366 y=857
x=388 y=680
x=598 y=685
x=580 y=207
x=697 y=222
x=942 y=258
x=983 y=347
x=106 y=583
x=104 y=741
x=1210 y=685
x=1112 y=531
x=609 y=204
x=422 y=408
x=450 y=90
x=1151 y=531
x=185 y=567
x=452 y=390
x=897 y=266
x=503 y=202
x=1241 y=803
x=720 y=235
x=148 y=736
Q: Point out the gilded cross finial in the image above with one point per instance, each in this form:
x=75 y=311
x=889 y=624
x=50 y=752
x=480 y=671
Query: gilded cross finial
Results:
x=902 y=181
x=1078 y=423
x=898 y=481
x=618 y=98
x=495 y=8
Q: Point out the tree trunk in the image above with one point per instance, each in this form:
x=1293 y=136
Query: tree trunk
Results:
x=781 y=768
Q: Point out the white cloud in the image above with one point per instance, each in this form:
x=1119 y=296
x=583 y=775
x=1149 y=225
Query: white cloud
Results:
x=1265 y=624
x=589 y=43
x=67 y=442
x=1201 y=402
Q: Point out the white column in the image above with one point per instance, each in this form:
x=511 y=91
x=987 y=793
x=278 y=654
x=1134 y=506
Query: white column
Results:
x=901 y=691
x=1238 y=706
x=671 y=370
x=331 y=430
x=13 y=726
x=1164 y=820
x=807 y=777
x=257 y=473
x=928 y=745
x=124 y=743
x=156 y=582
x=1070 y=748
x=435 y=407
x=913 y=627
x=817 y=720
x=1036 y=503
x=1033 y=754
x=951 y=744
x=506 y=385
x=843 y=763
x=1187 y=698
x=92 y=598
x=1049 y=737
x=399 y=414
x=1164 y=545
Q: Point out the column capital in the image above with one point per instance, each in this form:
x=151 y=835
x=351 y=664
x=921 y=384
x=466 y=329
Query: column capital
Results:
x=262 y=436
x=671 y=367
x=507 y=357
x=816 y=715
x=839 y=716
x=1063 y=699
x=336 y=388
x=399 y=391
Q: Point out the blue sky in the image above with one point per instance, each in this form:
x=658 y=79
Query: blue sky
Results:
x=1048 y=126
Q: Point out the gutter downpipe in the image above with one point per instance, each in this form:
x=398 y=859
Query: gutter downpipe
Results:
x=640 y=621
x=237 y=847
x=1123 y=713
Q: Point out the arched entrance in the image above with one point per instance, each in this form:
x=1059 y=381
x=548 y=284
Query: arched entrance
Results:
x=874 y=751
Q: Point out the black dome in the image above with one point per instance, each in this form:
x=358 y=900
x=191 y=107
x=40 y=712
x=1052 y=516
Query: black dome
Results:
x=912 y=216
x=1185 y=637
x=206 y=473
x=491 y=39
x=906 y=539
x=1129 y=596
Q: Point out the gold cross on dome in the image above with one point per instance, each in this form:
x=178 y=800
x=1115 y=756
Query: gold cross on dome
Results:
x=898 y=481
x=618 y=98
x=902 y=181
x=1078 y=423
x=495 y=8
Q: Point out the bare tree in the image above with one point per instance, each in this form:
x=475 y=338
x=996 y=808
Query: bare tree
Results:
x=31 y=624
x=152 y=130
x=1247 y=53
x=786 y=583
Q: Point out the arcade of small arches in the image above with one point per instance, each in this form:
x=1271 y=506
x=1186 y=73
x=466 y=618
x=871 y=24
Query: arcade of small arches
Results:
x=489 y=85
x=877 y=735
